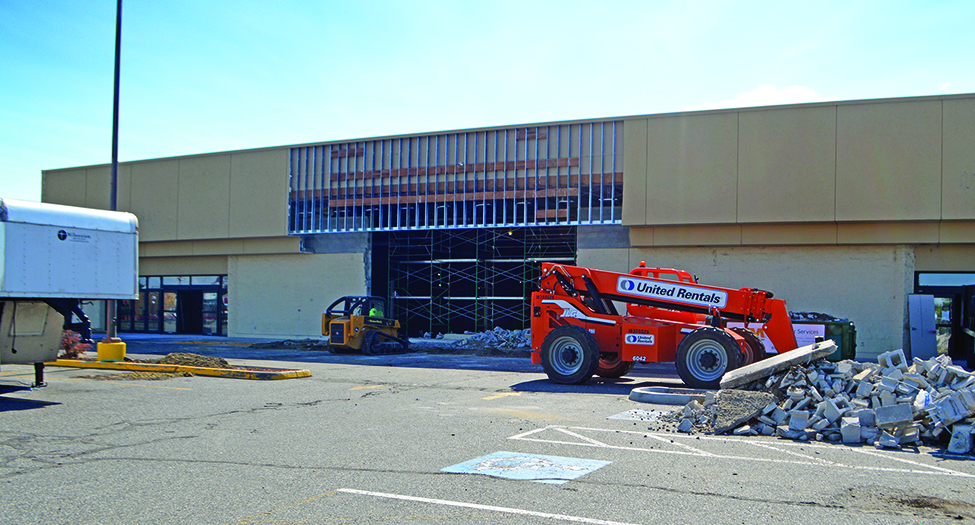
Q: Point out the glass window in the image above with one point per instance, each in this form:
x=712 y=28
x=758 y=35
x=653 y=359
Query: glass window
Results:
x=142 y=282
x=153 y=311
x=154 y=283
x=176 y=280
x=205 y=280
x=946 y=279
x=210 y=313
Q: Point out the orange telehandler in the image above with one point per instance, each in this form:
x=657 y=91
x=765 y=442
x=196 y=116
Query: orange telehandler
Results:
x=577 y=330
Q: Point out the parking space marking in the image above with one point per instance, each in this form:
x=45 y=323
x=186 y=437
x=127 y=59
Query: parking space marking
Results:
x=555 y=470
x=476 y=506
x=499 y=395
x=541 y=435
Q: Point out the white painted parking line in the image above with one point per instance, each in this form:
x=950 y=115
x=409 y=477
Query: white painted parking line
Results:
x=476 y=506
x=589 y=437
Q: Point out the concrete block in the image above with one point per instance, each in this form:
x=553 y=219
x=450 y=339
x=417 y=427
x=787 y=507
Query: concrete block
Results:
x=685 y=425
x=821 y=424
x=806 y=401
x=850 y=430
x=886 y=384
x=917 y=379
x=863 y=375
x=767 y=420
x=710 y=397
x=821 y=408
x=887 y=440
x=787 y=404
x=966 y=384
x=844 y=368
x=745 y=430
x=785 y=432
x=893 y=359
x=955 y=374
x=835 y=408
x=768 y=430
x=887 y=399
x=766 y=367
x=867 y=417
x=961 y=439
x=908 y=435
x=860 y=403
x=894 y=416
x=798 y=419
x=778 y=415
x=869 y=434
x=893 y=373
x=814 y=393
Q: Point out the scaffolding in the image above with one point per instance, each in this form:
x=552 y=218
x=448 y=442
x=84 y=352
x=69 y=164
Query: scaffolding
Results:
x=460 y=220
x=474 y=279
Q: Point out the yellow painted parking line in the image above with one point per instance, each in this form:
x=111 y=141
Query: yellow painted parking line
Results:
x=234 y=373
x=126 y=383
x=500 y=395
x=369 y=387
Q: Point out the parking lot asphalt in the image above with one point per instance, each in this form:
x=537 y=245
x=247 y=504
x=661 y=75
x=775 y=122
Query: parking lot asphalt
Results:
x=245 y=350
x=441 y=439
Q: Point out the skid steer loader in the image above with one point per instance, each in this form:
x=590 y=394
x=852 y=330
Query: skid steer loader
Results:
x=358 y=324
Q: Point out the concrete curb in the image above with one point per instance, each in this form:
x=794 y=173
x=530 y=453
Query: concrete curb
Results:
x=196 y=370
x=662 y=395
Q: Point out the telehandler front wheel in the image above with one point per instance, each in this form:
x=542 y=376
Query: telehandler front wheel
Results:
x=570 y=355
x=704 y=355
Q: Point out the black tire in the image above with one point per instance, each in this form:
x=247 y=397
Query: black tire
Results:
x=613 y=366
x=369 y=343
x=704 y=355
x=756 y=345
x=570 y=355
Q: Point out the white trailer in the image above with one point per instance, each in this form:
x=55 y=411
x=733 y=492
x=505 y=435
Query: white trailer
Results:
x=52 y=258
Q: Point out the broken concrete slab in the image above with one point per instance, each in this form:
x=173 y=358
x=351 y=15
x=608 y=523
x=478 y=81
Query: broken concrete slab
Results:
x=735 y=407
x=782 y=362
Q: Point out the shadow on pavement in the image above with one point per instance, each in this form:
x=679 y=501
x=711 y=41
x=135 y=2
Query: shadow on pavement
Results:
x=643 y=374
x=10 y=404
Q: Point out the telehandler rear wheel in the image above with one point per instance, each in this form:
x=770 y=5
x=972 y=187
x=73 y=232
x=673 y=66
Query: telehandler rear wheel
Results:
x=612 y=365
x=754 y=343
x=570 y=355
x=704 y=355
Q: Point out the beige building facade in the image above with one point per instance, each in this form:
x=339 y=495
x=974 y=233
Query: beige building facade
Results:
x=846 y=208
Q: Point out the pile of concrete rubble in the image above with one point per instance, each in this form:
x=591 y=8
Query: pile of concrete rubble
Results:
x=499 y=339
x=889 y=404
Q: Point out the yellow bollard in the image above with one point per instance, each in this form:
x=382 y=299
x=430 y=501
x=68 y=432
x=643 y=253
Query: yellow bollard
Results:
x=113 y=351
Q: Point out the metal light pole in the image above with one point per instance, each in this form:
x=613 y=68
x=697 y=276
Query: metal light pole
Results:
x=111 y=333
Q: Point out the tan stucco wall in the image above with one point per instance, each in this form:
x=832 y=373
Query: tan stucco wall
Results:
x=866 y=284
x=846 y=162
x=283 y=296
x=215 y=196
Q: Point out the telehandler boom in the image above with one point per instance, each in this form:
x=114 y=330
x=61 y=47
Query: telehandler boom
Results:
x=578 y=331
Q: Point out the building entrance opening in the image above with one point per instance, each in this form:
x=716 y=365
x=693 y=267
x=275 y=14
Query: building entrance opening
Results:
x=189 y=312
x=954 y=309
x=194 y=304
x=459 y=280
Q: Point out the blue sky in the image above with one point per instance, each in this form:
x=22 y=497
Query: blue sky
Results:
x=202 y=76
